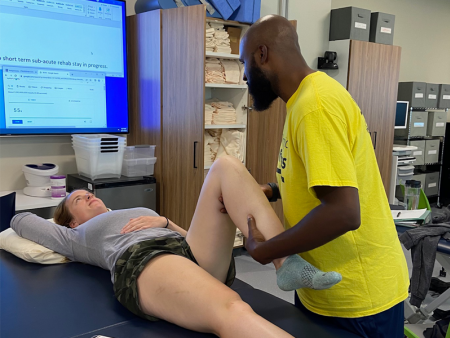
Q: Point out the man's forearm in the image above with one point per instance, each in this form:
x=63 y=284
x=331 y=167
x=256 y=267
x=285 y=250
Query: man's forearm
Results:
x=322 y=225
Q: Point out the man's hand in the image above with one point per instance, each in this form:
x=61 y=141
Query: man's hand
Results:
x=223 y=210
x=267 y=190
x=254 y=242
x=144 y=222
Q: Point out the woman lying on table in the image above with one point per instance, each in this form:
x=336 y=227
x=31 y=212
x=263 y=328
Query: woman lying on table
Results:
x=161 y=271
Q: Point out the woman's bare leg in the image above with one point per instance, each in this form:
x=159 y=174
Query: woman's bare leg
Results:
x=211 y=233
x=177 y=290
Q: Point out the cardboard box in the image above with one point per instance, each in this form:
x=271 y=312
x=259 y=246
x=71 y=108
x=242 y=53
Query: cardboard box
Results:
x=235 y=38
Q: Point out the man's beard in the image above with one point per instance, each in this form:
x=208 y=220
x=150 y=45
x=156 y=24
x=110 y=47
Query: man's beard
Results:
x=260 y=89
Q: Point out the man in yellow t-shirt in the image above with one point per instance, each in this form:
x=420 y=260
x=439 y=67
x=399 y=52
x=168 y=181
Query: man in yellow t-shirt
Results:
x=336 y=212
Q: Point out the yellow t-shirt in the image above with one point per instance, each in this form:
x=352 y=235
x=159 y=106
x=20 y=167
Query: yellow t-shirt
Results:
x=326 y=143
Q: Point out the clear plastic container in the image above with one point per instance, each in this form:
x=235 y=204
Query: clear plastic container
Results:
x=99 y=147
x=58 y=192
x=98 y=138
x=138 y=167
x=99 y=163
x=412 y=194
x=139 y=151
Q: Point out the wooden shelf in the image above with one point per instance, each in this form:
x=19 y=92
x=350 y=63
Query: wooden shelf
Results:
x=225 y=126
x=227 y=22
x=221 y=55
x=230 y=86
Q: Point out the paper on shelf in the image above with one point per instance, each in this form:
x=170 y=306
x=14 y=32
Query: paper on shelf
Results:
x=408 y=214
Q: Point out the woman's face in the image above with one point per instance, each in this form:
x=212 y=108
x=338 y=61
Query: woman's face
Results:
x=83 y=206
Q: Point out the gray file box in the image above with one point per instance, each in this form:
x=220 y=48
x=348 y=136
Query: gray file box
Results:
x=432 y=93
x=422 y=179
x=444 y=96
x=418 y=123
x=350 y=23
x=414 y=92
x=419 y=154
x=432 y=151
x=432 y=184
x=436 y=123
x=382 y=28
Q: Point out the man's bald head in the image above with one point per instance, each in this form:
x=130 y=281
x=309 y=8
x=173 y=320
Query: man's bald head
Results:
x=270 y=52
x=275 y=32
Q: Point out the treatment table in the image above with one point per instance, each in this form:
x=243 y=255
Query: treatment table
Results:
x=77 y=300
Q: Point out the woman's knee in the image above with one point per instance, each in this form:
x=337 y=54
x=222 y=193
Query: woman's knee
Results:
x=238 y=307
x=227 y=162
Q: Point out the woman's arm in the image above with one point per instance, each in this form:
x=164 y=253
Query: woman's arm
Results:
x=43 y=232
x=146 y=222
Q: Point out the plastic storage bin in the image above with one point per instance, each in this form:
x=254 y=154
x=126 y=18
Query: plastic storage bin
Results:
x=140 y=151
x=98 y=163
x=138 y=167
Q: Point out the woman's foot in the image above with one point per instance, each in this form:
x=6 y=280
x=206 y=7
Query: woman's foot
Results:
x=296 y=273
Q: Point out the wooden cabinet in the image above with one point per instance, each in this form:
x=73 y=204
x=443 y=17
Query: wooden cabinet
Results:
x=166 y=57
x=166 y=54
x=370 y=73
x=264 y=135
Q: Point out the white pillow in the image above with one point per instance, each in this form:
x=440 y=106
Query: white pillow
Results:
x=28 y=250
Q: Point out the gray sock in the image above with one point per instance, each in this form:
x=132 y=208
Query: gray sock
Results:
x=296 y=273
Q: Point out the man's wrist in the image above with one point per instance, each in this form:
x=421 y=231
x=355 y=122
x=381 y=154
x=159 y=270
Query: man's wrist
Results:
x=275 y=192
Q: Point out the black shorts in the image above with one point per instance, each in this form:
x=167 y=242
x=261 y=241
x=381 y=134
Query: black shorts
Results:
x=130 y=265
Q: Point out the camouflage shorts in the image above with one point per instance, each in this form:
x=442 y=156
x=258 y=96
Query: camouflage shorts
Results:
x=130 y=265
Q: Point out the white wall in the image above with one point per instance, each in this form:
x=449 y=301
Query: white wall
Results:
x=422 y=29
x=17 y=151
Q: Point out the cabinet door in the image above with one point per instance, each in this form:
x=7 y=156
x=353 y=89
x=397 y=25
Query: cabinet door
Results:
x=373 y=82
x=264 y=134
x=183 y=74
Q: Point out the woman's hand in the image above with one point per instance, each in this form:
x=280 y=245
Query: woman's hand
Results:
x=144 y=222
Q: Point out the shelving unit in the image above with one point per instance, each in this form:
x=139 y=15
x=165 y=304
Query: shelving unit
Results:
x=426 y=168
x=222 y=55
x=225 y=126
x=225 y=85
x=237 y=94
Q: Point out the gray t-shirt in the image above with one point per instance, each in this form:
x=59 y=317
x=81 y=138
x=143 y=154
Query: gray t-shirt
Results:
x=97 y=241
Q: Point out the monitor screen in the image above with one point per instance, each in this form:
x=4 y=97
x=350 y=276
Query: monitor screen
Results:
x=63 y=67
x=401 y=115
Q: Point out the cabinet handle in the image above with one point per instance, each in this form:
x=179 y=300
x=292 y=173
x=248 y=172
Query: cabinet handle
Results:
x=195 y=154
x=245 y=107
x=148 y=190
x=375 y=141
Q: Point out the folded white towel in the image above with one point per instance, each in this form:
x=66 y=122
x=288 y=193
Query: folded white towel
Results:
x=232 y=71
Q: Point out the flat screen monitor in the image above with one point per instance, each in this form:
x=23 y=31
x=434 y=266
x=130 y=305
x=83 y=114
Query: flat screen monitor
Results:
x=63 y=67
x=401 y=115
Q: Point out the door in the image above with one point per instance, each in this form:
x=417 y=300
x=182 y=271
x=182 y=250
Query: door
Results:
x=183 y=74
x=373 y=81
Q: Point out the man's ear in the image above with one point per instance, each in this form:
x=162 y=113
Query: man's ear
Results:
x=263 y=51
x=73 y=224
